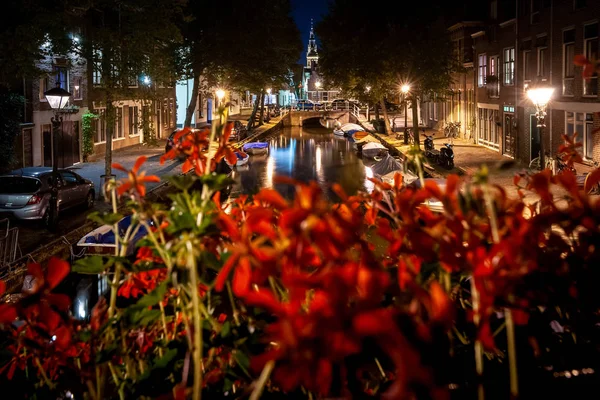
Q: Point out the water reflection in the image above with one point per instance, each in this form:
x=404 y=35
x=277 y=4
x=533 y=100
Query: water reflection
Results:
x=304 y=154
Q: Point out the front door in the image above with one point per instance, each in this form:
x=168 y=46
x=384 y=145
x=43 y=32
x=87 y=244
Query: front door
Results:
x=47 y=144
x=535 y=137
x=209 y=107
x=509 y=135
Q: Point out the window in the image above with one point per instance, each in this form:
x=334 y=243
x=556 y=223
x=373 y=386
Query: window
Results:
x=132 y=78
x=509 y=66
x=568 y=66
x=590 y=47
x=100 y=136
x=542 y=60
x=77 y=92
x=482 y=65
x=97 y=71
x=61 y=77
x=43 y=87
x=69 y=178
x=118 y=133
x=574 y=124
x=527 y=65
x=492 y=83
x=577 y=4
x=487 y=129
x=134 y=121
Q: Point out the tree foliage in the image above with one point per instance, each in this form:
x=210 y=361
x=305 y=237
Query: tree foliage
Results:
x=369 y=53
x=11 y=108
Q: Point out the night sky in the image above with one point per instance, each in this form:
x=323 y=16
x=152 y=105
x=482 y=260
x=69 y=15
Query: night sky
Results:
x=303 y=11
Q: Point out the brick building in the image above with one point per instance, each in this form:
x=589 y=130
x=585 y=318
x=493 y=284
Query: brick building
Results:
x=521 y=43
x=74 y=74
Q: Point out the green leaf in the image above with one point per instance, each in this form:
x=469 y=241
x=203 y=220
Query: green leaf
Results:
x=183 y=182
x=226 y=329
x=90 y=265
x=152 y=298
x=144 y=317
x=216 y=181
x=164 y=361
x=242 y=360
x=107 y=353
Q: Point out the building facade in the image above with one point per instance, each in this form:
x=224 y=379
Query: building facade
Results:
x=534 y=42
x=140 y=101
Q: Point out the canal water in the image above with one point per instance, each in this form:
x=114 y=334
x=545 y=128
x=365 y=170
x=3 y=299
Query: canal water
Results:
x=306 y=154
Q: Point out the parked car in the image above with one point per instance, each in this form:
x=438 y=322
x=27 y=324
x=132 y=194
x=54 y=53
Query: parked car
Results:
x=307 y=105
x=25 y=193
x=343 y=104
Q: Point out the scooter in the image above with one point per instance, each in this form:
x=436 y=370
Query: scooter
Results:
x=446 y=157
x=430 y=151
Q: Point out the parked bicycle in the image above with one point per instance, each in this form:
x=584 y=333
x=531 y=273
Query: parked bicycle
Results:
x=452 y=130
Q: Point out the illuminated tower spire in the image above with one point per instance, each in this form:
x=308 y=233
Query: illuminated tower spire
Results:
x=312 y=56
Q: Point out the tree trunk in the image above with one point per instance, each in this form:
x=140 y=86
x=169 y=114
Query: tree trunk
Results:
x=193 y=101
x=386 y=120
x=253 y=115
x=415 y=117
x=262 y=107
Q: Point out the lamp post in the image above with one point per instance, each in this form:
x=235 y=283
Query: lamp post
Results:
x=540 y=97
x=405 y=89
x=57 y=99
x=318 y=86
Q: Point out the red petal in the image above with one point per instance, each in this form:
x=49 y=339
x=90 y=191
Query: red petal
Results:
x=272 y=197
x=324 y=372
x=580 y=60
x=227 y=224
x=60 y=301
x=2 y=287
x=57 y=271
x=63 y=337
x=150 y=178
x=264 y=299
x=123 y=187
x=441 y=305
x=373 y=322
x=242 y=278
x=138 y=164
x=224 y=273
x=187 y=166
x=119 y=167
x=8 y=313
x=591 y=180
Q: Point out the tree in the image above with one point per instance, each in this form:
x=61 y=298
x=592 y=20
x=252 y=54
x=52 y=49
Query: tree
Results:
x=11 y=108
x=369 y=54
x=125 y=42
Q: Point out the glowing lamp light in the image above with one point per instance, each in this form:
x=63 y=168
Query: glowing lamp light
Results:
x=220 y=94
x=146 y=80
x=540 y=96
x=57 y=98
x=318 y=84
x=405 y=88
x=368 y=88
x=269 y=91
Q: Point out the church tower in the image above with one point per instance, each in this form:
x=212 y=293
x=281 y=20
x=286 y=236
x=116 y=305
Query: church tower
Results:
x=312 y=56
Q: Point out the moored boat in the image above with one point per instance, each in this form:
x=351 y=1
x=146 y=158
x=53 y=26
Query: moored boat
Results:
x=256 y=148
x=374 y=149
x=242 y=159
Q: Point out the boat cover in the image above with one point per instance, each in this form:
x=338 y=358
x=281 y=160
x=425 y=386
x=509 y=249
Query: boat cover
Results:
x=373 y=146
x=350 y=126
x=385 y=166
x=255 y=145
x=109 y=237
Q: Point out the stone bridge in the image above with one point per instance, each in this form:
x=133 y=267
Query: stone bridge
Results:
x=299 y=118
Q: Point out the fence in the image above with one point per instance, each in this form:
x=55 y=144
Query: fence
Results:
x=9 y=243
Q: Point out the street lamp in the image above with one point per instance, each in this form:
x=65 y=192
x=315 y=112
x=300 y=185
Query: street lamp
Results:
x=405 y=89
x=540 y=97
x=57 y=99
x=318 y=86
x=220 y=95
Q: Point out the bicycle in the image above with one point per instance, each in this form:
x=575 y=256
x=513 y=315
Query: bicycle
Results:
x=534 y=165
x=452 y=130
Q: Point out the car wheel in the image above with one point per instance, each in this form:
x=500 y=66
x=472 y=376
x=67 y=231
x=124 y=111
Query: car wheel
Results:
x=89 y=200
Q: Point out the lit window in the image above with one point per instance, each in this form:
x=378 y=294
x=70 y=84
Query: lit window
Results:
x=61 y=76
x=509 y=66
x=482 y=65
x=77 y=89
x=97 y=71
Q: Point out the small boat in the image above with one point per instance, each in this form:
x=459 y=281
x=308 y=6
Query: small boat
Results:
x=242 y=159
x=360 y=135
x=102 y=239
x=374 y=149
x=351 y=127
x=339 y=132
x=256 y=148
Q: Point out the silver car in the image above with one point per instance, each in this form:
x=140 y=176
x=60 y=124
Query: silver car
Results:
x=25 y=193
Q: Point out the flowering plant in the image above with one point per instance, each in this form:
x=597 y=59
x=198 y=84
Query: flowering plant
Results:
x=264 y=295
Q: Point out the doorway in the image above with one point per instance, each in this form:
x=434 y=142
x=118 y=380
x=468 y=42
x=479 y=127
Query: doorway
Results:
x=209 y=106
x=47 y=145
x=535 y=137
x=509 y=145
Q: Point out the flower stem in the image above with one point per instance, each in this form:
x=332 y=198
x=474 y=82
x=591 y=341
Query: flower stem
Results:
x=478 y=345
x=47 y=381
x=233 y=307
x=197 y=349
x=512 y=353
x=262 y=380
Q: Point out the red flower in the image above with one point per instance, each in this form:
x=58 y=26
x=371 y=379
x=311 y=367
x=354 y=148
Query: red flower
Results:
x=192 y=144
x=135 y=181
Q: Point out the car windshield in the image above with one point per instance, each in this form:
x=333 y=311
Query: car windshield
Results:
x=18 y=184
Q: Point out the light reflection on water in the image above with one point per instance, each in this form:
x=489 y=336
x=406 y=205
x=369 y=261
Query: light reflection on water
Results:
x=304 y=154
